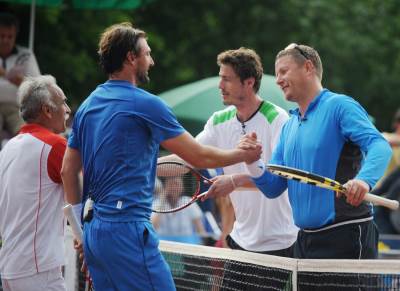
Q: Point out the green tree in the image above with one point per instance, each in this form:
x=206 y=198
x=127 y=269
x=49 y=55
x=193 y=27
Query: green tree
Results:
x=357 y=40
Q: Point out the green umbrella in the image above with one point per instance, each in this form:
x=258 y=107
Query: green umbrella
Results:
x=194 y=103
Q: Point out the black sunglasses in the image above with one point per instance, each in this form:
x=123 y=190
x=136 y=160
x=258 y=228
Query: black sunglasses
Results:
x=303 y=53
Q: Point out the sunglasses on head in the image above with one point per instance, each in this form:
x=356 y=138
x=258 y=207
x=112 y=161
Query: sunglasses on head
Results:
x=297 y=48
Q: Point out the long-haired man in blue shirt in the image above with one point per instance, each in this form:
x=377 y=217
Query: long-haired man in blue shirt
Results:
x=115 y=139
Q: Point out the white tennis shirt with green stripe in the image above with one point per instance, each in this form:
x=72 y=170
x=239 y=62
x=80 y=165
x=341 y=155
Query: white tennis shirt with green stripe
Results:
x=261 y=224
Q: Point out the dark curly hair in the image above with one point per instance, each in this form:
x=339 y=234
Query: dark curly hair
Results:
x=245 y=62
x=115 y=42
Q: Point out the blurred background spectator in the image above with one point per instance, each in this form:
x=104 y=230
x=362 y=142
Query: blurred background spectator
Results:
x=185 y=225
x=16 y=63
x=388 y=221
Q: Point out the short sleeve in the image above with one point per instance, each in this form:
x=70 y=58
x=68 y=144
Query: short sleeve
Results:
x=73 y=141
x=160 y=119
x=208 y=135
x=277 y=125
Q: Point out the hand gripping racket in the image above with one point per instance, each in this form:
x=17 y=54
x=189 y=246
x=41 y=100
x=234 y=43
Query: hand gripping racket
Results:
x=180 y=187
x=77 y=232
x=323 y=182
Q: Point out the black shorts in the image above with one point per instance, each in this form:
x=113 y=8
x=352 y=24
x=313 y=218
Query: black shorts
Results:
x=349 y=241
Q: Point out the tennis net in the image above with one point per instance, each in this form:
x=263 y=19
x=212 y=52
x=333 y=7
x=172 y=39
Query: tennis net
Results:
x=196 y=267
x=206 y=268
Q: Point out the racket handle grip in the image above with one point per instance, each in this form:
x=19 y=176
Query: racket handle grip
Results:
x=378 y=200
x=76 y=229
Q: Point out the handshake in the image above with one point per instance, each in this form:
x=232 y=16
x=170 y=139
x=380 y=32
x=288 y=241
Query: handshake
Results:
x=251 y=148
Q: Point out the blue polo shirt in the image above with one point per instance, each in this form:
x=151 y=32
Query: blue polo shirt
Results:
x=334 y=139
x=117 y=131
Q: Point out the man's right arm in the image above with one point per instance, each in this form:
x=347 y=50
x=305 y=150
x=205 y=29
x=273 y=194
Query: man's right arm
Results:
x=71 y=168
x=200 y=156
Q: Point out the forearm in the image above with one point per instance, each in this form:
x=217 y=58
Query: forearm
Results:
x=211 y=157
x=70 y=174
x=243 y=181
x=204 y=157
x=177 y=159
x=72 y=191
x=376 y=162
x=201 y=156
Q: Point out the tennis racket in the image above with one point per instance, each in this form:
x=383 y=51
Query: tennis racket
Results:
x=323 y=182
x=180 y=187
x=78 y=234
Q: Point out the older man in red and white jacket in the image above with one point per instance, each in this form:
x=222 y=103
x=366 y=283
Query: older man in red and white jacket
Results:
x=31 y=191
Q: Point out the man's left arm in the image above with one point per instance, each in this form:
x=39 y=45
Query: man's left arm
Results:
x=356 y=127
x=71 y=168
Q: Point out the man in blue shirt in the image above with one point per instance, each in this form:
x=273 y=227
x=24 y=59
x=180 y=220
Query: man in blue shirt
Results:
x=328 y=134
x=114 y=140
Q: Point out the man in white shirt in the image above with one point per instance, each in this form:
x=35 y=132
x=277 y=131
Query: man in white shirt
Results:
x=31 y=192
x=258 y=224
x=16 y=62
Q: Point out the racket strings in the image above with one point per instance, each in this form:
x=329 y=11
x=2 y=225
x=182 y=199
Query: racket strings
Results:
x=178 y=185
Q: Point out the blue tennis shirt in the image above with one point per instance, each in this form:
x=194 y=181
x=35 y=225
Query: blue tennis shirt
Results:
x=334 y=139
x=117 y=131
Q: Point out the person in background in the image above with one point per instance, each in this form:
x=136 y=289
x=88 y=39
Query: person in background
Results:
x=115 y=139
x=182 y=224
x=394 y=137
x=31 y=192
x=16 y=62
x=388 y=221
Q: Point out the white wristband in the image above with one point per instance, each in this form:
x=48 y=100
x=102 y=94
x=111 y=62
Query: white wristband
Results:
x=256 y=169
x=77 y=210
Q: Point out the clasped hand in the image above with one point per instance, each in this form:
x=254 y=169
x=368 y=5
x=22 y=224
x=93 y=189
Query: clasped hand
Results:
x=251 y=147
